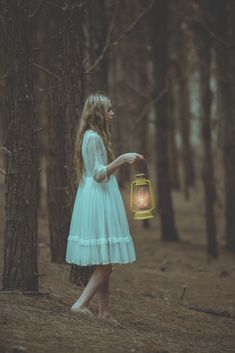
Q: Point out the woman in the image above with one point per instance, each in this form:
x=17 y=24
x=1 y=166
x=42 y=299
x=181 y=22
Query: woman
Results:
x=99 y=233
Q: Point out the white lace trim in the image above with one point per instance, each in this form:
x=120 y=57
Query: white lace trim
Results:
x=112 y=240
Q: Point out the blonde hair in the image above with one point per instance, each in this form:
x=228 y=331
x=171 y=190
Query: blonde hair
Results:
x=93 y=117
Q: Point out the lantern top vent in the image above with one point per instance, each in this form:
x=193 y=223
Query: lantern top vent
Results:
x=139 y=176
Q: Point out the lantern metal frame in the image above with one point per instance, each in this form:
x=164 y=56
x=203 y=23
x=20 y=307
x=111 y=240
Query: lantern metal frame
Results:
x=140 y=179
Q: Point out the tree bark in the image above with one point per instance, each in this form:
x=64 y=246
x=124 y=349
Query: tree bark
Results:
x=229 y=148
x=73 y=97
x=168 y=228
x=118 y=91
x=225 y=30
x=204 y=51
x=173 y=93
x=172 y=114
x=185 y=122
x=21 y=183
x=57 y=179
x=97 y=30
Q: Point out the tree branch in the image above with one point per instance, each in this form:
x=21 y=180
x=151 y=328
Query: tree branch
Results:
x=106 y=45
x=37 y=9
x=47 y=71
x=115 y=42
x=212 y=34
x=2 y=171
x=211 y=311
x=143 y=114
x=5 y=150
x=133 y=24
x=51 y=4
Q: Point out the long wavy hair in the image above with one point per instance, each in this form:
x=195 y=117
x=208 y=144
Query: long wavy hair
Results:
x=93 y=117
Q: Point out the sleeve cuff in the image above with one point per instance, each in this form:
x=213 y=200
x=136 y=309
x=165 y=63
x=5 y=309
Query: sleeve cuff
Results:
x=100 y=174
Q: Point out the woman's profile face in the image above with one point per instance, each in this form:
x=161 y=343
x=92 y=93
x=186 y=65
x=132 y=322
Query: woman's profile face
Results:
x=109 y=114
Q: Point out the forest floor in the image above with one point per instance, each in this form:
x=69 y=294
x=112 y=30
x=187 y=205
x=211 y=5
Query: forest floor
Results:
x=155 y=298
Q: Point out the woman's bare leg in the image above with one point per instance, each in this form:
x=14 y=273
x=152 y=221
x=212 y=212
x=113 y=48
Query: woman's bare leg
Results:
x=104 y=309
x=99 y=276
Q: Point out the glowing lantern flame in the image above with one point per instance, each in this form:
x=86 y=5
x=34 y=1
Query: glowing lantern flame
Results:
x=141 y=197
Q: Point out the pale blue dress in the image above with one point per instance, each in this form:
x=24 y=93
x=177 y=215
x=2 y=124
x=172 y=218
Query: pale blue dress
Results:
x=99 y=231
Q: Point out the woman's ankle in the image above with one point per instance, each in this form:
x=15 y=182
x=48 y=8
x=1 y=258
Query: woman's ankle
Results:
x=78 y=305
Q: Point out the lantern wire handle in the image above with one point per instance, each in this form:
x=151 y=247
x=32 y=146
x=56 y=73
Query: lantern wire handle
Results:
x=146 y=165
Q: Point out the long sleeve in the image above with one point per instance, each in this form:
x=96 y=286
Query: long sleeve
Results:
x=96 y=158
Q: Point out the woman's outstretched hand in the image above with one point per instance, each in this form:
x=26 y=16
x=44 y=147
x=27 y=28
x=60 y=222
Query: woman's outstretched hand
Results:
x=131 y=157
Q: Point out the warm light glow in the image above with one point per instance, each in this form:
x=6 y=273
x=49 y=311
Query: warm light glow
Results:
x=141 y=197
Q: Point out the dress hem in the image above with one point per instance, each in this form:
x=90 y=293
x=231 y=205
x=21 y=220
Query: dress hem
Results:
x=101 y=263
x=99 y=241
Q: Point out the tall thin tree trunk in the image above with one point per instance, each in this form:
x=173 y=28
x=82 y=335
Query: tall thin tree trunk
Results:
x=162 y=125
x=3 y=90
x=73 y=89
x=224 y=26
x=73 y=96
x=57 y=179
x=204 y=50
x=230 y=144
x=172 y=113
x=187 y=152
x=173 y=96
x=207 y=169
x=178 y=42
x=115 y=83
x=21 y=188
x=97 y=32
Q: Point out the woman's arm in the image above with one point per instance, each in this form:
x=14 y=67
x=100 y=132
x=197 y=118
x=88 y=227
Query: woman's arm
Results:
x=100 y=171
x=122 y=159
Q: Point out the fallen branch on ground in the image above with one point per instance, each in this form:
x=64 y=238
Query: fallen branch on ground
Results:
x=212 y=311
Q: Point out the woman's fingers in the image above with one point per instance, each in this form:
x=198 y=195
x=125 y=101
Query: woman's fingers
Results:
x=132 y=157
x=138 y=156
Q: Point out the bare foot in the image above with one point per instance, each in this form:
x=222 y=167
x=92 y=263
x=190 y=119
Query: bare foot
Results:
x=109 y=319
x=83 y=311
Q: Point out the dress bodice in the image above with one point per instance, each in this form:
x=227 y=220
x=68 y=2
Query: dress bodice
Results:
x=94 y=156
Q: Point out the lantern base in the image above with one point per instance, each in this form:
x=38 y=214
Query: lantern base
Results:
x=140 y=215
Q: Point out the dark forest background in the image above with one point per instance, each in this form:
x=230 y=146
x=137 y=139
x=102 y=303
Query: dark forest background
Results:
x=169 y=69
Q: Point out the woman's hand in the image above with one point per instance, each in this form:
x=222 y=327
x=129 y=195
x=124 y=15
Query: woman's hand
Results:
x=131 y=157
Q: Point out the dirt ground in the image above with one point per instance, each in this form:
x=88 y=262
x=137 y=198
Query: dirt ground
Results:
x=155 y=299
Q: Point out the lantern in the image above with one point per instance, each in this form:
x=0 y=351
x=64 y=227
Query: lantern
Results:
x=142 y=200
